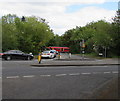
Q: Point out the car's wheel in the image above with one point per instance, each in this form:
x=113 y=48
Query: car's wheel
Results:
x=8 y=58
x=51 y=57
x=28 y=58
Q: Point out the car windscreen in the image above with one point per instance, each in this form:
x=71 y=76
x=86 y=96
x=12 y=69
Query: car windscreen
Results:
x=46 y=52
x=11 y=51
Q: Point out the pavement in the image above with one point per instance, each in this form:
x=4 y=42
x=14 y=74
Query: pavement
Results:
x=77 y=60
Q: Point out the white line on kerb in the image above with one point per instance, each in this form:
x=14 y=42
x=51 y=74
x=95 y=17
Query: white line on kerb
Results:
x=29 y=76
x=45 y=75
x=85 y=73
x=10 y=77
x=74 y=74
x=106 y=72
x=61 y=74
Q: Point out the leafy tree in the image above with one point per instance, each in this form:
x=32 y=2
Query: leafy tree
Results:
x=55 y=41
x=28 y=35
x=115 y=30
x=33 y=34
x=9 y=39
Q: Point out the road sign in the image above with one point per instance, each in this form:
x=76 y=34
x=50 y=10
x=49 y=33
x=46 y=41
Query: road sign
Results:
x=83 y=45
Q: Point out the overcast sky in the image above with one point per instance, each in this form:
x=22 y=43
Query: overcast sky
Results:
x=62 y=15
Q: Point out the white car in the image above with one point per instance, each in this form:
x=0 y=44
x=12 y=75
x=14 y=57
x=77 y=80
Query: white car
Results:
x=48 y=54
x=54 y=52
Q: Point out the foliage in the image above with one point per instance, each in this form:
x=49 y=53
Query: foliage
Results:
x=98 y=36
x=9 y=38
x=29 y=35
x=32 y=34
x=55 y=41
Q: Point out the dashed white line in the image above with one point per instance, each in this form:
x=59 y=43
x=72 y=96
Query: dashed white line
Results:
x=45 y=75
x=106 y=72
x=60 y=74
x=96 y=72
x=27 y=76
x=11 y=77
x=74 y=74
x=115 y=72
x=85 y=73
x=71 y=74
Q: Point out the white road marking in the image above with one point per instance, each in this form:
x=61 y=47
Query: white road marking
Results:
x=106 y=72
x=10 y=77
x=85 y=73
x=45 y=75
x=27 y=76
x=115 y=72
x=96 y=72
x=74 y=74
x=60 y=74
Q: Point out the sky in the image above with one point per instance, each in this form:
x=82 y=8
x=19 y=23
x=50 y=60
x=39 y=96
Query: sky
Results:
x=62 y=15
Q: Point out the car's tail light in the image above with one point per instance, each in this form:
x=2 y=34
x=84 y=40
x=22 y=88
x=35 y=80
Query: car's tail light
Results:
x=1 y=53
x=48 y=54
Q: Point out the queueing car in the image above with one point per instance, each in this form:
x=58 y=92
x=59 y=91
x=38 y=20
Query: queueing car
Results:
x=54 y=52
x=16 y=54
x=48 y=54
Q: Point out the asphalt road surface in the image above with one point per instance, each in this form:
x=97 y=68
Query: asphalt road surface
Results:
x=22 y=81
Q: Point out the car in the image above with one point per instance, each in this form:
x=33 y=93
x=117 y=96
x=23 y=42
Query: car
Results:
x=16 y=54
x=1 y=55
x=55 y=52
x=48 y=54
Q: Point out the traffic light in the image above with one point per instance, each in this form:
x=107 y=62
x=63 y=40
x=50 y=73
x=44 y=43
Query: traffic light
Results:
x=23 y=18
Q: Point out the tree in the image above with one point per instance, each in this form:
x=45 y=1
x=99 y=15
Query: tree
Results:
x=33 y=34
x=9 y=39
x=55 y=41
x=115 y=30
x=28 y=35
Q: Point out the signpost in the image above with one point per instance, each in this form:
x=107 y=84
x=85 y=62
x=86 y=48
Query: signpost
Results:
x=82 y=45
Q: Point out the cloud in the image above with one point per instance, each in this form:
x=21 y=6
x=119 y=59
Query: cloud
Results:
x=60 y=1
x=80 y=18
x=55 y=12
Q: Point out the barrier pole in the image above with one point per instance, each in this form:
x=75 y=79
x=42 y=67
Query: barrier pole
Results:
x=39 y=57
x=59 y=55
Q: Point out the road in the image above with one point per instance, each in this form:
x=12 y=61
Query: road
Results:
x=22 y=81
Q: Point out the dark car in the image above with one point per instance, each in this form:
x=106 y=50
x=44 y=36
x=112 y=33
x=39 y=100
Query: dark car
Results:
x=16 y=54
